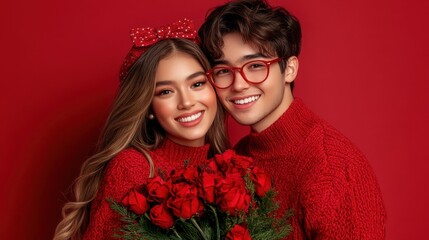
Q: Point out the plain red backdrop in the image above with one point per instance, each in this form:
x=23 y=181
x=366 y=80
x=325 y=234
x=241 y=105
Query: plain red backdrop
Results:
x=364 y=68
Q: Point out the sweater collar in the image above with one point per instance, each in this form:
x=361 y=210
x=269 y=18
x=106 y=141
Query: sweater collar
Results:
x=288 y=131
x=170 y=149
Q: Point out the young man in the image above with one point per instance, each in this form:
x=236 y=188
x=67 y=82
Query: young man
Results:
x=318 y=172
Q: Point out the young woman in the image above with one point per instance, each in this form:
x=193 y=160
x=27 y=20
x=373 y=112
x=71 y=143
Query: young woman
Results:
x=165 y=112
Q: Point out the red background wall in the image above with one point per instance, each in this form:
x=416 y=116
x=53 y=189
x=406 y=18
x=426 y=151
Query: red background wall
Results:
x=364 y=68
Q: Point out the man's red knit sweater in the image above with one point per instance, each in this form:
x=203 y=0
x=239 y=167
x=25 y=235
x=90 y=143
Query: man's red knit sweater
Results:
x=130 y=169
x=321 y=175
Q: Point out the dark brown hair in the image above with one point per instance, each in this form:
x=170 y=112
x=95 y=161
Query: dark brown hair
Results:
x=275 y=31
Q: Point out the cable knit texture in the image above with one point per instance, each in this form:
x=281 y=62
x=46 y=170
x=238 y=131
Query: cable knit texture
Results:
x=130 y=169
x=321 y=175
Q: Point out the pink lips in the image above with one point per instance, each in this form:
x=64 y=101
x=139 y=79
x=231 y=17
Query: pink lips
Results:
x=190 y=119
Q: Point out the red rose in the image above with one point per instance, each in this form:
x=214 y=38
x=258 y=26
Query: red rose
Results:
x=158 y=190
x=224 y=160
x=207 y=189
x=212 y=166
x=185 y=207
x=189 y=174
x=237 y=199
x=262 y=181
x=185 y=202
x=136 y=202
x=238 y=232
x=242 y=162
x=161 y=217
x=224 y=184
x=184 y=190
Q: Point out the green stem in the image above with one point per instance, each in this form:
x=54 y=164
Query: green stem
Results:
x=176 y=233
x=198 y=228
x=217 y=222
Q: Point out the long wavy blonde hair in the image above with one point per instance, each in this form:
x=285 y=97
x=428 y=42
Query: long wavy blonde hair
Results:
x=128 y=126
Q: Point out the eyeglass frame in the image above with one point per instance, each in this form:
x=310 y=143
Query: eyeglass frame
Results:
x=240 y=70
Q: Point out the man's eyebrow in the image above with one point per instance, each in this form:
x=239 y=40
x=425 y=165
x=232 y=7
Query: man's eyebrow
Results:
x=242 y=59
x=251 y=56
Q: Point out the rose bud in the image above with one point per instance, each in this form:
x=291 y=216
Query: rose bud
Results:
x=242 y=162
x=224 y=160
x=237 y=199
x=184 y=189
x=161 y=217
x=224 y=184
x=185 y=207
x=212 y=166
x=136 y=202
x=190 y=174
x=262 y=182
x=157 y=189
x=207 y=188
x=238 y=232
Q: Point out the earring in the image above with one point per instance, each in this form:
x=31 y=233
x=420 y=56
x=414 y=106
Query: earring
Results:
x=151 y=116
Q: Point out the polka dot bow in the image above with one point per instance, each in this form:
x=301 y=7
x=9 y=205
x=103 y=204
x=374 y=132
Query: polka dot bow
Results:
x=145 y=37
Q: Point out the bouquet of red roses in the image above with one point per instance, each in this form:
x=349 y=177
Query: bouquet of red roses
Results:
x=225 y=198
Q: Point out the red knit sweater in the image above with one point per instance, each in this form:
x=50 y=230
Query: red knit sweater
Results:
x=321 y=175
x=127 y=170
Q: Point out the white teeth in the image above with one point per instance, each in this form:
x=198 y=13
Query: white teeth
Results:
x=246 y=100
x=190 y=118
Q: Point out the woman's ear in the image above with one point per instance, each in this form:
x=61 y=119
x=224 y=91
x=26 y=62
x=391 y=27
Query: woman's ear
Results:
x=291 y=70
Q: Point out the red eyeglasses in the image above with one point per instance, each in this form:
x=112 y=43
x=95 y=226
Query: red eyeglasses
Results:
x=255 y=71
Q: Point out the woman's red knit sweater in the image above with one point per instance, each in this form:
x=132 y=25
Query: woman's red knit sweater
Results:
x=130 y=169
x=321 y=175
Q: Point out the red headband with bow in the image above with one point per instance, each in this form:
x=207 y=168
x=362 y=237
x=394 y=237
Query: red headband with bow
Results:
x=143 y=38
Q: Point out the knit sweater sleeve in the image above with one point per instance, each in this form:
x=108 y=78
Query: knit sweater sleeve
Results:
x=342 y=201
x=124 y=172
